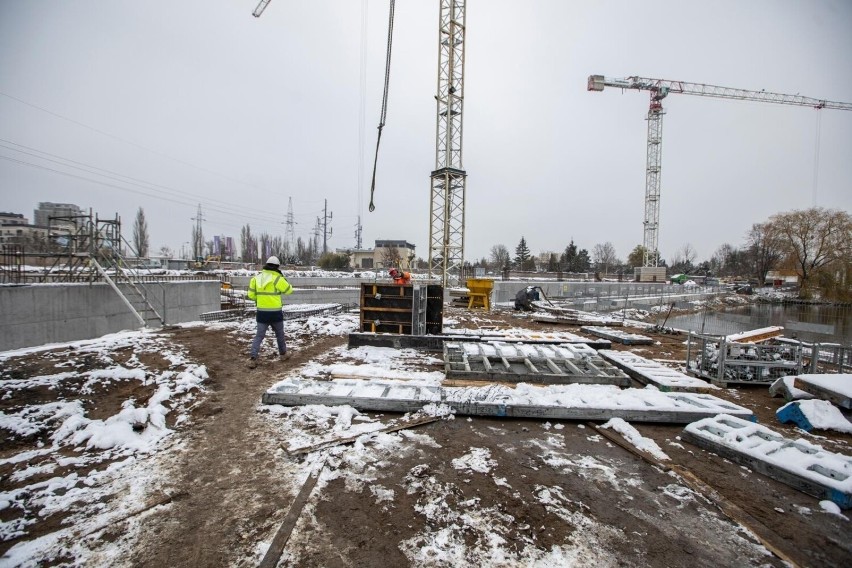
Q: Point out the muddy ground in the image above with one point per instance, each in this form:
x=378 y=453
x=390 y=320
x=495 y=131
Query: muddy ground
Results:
x=549 y=486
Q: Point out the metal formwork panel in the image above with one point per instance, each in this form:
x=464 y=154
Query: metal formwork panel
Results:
x=537 y=363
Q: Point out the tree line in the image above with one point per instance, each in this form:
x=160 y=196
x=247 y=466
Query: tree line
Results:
x=814 y=244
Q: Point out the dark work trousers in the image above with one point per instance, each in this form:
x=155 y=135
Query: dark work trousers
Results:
x=278 y=328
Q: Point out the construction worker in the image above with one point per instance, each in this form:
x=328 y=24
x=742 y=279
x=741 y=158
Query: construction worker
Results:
x=266 y=288
x=400 y=277
x=525 y=297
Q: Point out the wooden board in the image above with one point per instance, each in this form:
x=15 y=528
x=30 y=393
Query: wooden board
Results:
x=558 y=402
x=797 y=463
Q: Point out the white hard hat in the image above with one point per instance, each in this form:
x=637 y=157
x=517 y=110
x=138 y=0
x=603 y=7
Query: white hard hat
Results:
x=273 y=260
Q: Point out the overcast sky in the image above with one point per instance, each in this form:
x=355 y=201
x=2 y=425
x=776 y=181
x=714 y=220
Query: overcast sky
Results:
x=197 y=101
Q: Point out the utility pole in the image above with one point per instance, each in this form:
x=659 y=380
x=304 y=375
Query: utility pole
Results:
x=326 y=232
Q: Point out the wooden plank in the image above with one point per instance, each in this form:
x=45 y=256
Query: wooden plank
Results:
x=399 y=425
x=755 y=335
x=273 y=553
x=729 y=509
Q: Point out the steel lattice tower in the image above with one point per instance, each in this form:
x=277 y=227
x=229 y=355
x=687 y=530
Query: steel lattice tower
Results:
x=448 y=180
x=652 y=183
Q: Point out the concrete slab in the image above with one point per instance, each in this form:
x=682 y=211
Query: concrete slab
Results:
x=835 y=388
x=650 y=372
x=797 y=463
x=617 y=335
x=556 y=402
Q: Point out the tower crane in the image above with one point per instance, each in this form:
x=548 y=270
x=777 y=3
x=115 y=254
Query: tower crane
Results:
x=660 y=89
x=448 y=179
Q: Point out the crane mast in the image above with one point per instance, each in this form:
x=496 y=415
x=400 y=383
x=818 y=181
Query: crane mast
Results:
x=449 y=179
x=659 y=89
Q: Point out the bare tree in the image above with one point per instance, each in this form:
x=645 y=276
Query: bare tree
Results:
x=391 y=257
x=500 y=257
x=766 y=249
x=248 y=244
x=605 y=257
x=166 y=252
x=140 y=234
x=719 y=262
x=814 y=238
x=683 y=258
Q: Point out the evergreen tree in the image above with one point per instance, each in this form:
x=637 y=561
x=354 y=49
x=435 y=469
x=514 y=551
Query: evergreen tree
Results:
x=522 y=255
x=569 y=257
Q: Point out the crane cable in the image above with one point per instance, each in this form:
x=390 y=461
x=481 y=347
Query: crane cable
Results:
x=816 y=155
x=384 y=102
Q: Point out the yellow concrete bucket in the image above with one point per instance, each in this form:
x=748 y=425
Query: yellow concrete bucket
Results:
x=479 y=293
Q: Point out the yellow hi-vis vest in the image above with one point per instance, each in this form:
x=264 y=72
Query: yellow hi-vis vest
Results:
x=266 y=288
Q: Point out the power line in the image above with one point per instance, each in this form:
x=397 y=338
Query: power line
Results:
x=145 y=184
x=114 y=137
x=106 y=184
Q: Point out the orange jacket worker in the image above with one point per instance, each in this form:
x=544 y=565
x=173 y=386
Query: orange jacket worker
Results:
x=399 y=277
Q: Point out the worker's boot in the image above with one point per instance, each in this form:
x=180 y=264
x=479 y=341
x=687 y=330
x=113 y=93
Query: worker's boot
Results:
x=252 y=363
x=284 y=356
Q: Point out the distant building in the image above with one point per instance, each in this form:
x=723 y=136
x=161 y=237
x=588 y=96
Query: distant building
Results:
x=47 y=209
x=385 y=254
x=13 y=219
x=223 y=247
x=15 y=229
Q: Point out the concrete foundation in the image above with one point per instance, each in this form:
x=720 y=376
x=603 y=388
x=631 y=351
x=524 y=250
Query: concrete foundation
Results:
x=36 y=314
x=603 y=295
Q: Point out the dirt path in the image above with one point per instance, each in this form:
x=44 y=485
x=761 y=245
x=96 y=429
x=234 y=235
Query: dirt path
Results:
x=231 y=468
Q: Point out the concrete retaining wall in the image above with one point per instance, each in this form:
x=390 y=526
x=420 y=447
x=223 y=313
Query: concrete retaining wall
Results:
x=36 y=314
x=603 y=295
